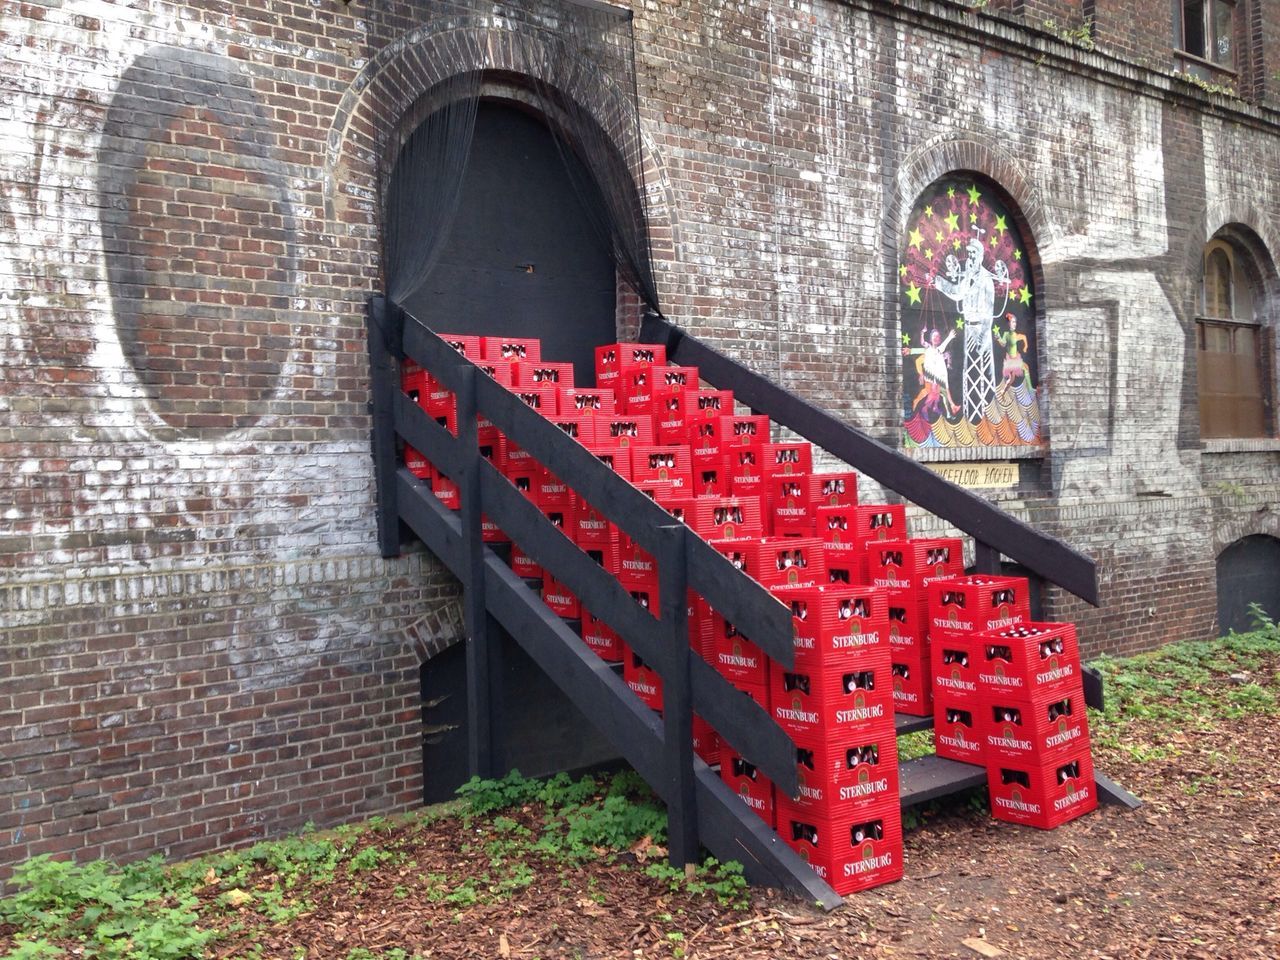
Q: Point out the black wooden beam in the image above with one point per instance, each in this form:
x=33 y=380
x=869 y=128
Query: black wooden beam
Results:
x=734 y=715
x=712 y=576
x=384 y=377
x=726 y=826
x=677 y=697
x=481 y=649
x=986 y=523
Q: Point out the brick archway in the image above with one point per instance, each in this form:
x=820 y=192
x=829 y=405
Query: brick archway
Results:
x=364 y=134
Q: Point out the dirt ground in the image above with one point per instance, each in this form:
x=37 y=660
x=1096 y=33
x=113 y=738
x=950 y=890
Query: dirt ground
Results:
x=1194 y=873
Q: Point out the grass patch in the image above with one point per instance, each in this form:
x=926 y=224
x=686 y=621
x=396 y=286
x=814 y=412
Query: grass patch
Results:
x=1189 y=687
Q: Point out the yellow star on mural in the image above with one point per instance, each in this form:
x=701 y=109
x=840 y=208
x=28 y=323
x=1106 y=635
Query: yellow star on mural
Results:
x=951 y=193
x=938 y=237
x=955 y=244
x=974 y=195
x=913 y=293
x=994 y=240
x=906 y=340
x=917 y=238
x=1017 y=254
x=902 y=270
x=928 y=254
x=1001 y=225
x=973 y=218
x=1024 y=296
x=952 y=222
x=928 y=211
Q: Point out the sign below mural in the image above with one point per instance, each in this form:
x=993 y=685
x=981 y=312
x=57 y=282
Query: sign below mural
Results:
x=968 y=324
x=986 y=474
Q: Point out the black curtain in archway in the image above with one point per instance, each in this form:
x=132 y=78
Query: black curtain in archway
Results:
x=579 y=60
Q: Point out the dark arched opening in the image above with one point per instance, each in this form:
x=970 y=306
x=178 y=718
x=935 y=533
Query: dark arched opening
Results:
x=1248 y=573
x=522 y=257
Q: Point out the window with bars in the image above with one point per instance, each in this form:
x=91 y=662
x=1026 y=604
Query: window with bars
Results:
x=1231 y=347
x=1206 y=33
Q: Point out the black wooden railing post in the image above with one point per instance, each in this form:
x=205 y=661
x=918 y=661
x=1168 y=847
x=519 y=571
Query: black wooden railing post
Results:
x=481 y=672
x=986 y=558
x=677 y=698
x=383 y=375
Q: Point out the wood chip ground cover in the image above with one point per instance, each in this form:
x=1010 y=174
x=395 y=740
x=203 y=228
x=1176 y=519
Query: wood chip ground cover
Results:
x=1194 y=873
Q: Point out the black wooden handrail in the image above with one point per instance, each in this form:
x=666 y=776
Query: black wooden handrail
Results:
x=995 y=532
x=711 y=575
x=684 y=562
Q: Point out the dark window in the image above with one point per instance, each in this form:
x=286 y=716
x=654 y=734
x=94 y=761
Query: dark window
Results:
x=1230 y=347
x=1206 y=32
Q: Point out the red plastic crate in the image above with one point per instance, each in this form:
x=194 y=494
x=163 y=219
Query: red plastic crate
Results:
x=613 y=358
x=701 y=627
x=955 y=728
x=836 y=528
x=788 y=459
x=710 y=473
x=745 y=431
x=839 y=774
x=469 y=346
x=746 y=780
x=836 y=627
x=907 y=631
x=879 y=521
x=954 y=661
x=642 y=679
x=668 y=462
x=1043 y=796
x=1030 y=658
x=553 y=495
x=978 y=602
x=788 y=505
x=673 y=404
x=601 y=638
x=833 y=489
x=914 y=564
x=746 y=469
x=582 y=429
x=857 y=698
x=446 y=490
x=912 y=685
x=501 y=371
x=633 y=389
x=562 y=601
x=590 y=402
x=707 y=437
x=418 y=465
x=849 y=854
x=706 y=742
x=510 y=348
x=627 y=430
x=792 y=561
x=544 y=398
x=713 y=405
x=1038 y=730
x=539 y=373
x=740 y=660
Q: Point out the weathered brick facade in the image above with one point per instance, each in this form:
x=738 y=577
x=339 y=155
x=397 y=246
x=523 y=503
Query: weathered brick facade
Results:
x=200 y=644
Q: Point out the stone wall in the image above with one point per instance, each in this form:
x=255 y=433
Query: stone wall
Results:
x=201 y=645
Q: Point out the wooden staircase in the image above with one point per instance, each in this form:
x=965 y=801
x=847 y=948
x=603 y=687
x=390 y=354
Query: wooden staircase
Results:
x=702 y=811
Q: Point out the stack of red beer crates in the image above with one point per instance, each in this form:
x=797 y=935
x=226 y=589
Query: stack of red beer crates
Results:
x=857 y=585
x=1009 y=695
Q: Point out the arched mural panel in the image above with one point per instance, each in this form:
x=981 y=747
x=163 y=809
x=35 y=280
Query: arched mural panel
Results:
x=969 y=337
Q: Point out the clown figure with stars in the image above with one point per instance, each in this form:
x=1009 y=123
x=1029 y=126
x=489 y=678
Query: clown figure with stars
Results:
x=968 y=328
